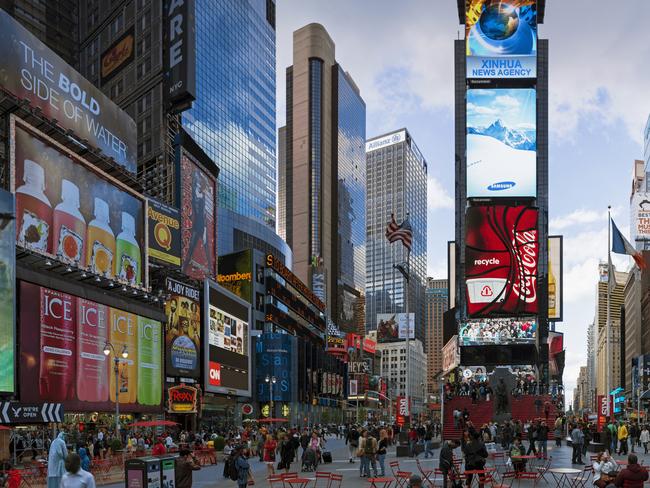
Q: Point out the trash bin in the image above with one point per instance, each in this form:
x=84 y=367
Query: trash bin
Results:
x=168 y=471
x=142 y=472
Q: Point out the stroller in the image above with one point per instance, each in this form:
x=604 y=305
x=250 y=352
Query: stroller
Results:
x=309 y=460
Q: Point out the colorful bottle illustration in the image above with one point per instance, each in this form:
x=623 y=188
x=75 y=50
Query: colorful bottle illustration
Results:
x=100 y=250
x=92 y=363
x=124 y=331
x=149 y=362
x=33 y=210
x=58 y=346
x=127 y=262
x=552 y=290
x=69 y=227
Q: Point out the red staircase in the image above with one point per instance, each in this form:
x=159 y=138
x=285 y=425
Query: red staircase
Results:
x=522 y=408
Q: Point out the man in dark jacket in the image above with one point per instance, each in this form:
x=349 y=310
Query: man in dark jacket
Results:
x=352 y=440
x=542 y=438
x=633 y=475
x=446 y=463
x=185 y=464
x=475 y=456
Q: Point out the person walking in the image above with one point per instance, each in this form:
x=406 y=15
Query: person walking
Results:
x=644 y=437
x=542 y=438
x=186 y=464
x=577 y=438
x=446 y=461
x=558 y=432
x=56 y=461
x=428 y=442
x=75 y=476
x=531 y=435
x=352 y=441
x=382 y=450
x=243 y=467
x=475 y=456
x=270 y=445
x=622 y=439
x=634 y=436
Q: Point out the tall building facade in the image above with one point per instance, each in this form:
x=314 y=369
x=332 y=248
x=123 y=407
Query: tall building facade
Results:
x=582 y=392
x=617 y=301
x=396 y=184
x=393 y=370
x=437 y=303
x=323 y=175
x=592 y=343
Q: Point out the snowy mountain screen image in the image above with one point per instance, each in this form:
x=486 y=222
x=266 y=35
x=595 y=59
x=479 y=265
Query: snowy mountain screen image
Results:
x=501 y=143
x=501 y=38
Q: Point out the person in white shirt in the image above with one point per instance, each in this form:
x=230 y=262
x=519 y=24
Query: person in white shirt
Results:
x=603 y=466
x=75 y=477
x=645 y=438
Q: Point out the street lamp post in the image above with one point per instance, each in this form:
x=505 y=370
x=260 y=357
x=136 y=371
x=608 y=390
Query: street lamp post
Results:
x=108 y=348
x=442 y=405
x=271 y=381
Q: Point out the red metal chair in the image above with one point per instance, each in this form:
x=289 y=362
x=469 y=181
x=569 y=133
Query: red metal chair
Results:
x=275 y=481
x=323 y=479
x=426 y=473
x=336 y=480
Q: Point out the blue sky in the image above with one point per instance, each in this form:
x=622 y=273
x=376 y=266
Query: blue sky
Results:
x=401 y=56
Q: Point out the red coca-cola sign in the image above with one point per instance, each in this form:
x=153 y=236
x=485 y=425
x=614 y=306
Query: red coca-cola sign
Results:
x=501 y=260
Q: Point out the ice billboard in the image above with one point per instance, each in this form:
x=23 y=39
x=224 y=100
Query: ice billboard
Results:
x=70 y=211
x=500 y=331
x=7 y=292
x=501 y=142
x=501 y=38
x=501 y=260
x=62 y=353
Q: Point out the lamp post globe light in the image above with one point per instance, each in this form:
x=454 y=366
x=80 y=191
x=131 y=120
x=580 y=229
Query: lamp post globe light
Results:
x=108 y=349
x=271 y=380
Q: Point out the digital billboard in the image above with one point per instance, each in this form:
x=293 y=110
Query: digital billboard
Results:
x=501 y=38
x=275 y=357
x=236 y=273
x=31 y=71
x=198 y=194
x=500 y=331
x=501 y=260
x=555 y=278
x=501 y=142
x=182 y=330
x=62 y=353
x=164 y=225
x=7 y=292
x=227 y=350
x=71 y=211
x=392 y=327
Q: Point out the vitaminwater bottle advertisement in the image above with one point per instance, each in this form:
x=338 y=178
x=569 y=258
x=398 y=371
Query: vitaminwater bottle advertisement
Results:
x=68 y=211
x=62 y=353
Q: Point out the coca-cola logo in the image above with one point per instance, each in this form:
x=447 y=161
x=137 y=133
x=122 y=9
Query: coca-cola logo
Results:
x=526 y=285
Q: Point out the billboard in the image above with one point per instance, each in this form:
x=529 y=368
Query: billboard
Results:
x=274 y=356
x=499 y=331
x=61 y=352
x=180 y=53
x=7 y=292
x=501 y=143
x=501 y=38
x=640 y=216
x=67 y=209
x=182 y=330
x=501 y=260
x=164 y=225
x=236 y=274
x=198 y=198
x=555 y=278
x=31 y=71
x=402 y=410
x=227 y=350
x=117 y=56
x=392 y=327
x=450 y=355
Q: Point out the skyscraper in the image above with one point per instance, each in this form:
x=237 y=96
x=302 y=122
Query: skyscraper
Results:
x=323 y=175
x=396 y=183
x=437 y=301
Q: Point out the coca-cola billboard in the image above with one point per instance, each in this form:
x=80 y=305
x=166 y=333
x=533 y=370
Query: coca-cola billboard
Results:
x=501 y=260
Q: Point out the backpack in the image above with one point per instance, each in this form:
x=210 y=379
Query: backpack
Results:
x=370 y=446
x=231 y=468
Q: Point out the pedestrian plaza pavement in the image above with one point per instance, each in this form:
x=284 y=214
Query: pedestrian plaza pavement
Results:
x=212 y=476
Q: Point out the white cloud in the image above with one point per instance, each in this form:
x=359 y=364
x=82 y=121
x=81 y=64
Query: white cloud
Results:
x=437 y=195
x=507 y=102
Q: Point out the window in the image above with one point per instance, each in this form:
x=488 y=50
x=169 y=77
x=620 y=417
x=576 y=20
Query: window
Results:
x=145 y=20
x=144 y=103
x=259 y=302
x=144 y=125
x=144 y=44
x=143 y=68
x=259 y=273
x=117 y=25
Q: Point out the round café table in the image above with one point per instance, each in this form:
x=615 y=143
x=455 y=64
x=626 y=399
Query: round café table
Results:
x=561 y=475
x=380 y=482
x=298 y=482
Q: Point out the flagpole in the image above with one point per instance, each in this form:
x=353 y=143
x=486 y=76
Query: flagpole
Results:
x=608 y=331
x=408 y=331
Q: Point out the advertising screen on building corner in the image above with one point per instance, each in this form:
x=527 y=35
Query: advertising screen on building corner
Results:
x=501 y=261
x=501 y=142
x=501 y=38
x=498 y=331
x=227 y=350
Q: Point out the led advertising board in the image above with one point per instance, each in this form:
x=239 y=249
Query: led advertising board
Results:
x=62 y=353
x=501 y=143
x=501 y=331
x=392 y=327
x=501 y=260
x=555 y=278
x=275 y=357
x=32 y=71
x=236 y=273
x=7 y=292
x=501 y=38
x=182 y=330
x=69 y=210
x=227 y=350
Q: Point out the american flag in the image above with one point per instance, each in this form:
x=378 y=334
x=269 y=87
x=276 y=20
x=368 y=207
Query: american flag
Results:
x=400 y=232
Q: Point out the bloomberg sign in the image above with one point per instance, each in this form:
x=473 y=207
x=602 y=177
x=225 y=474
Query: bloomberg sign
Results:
x=501 y=260
x=180 y=54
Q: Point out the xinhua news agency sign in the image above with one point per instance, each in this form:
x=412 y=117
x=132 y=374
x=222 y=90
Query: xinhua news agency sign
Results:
x=32 y=71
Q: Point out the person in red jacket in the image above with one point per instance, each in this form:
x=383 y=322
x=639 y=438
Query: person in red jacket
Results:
x=158 y=448
x=633 y=475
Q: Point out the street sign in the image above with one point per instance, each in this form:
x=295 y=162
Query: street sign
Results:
x=30 y=413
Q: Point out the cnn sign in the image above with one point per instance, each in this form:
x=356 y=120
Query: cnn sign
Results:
x=214 y=375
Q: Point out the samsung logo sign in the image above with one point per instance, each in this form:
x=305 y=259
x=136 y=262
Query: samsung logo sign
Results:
x=501 y=185
x=388 y=140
